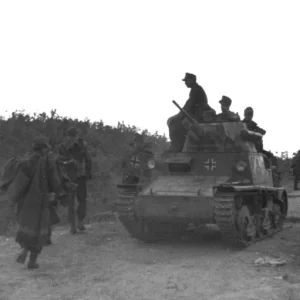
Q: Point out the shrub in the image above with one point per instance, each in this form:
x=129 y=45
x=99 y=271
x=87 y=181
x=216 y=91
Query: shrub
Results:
x=107 y=145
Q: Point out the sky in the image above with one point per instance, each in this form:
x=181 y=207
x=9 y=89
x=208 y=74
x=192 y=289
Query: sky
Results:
x=124 y=60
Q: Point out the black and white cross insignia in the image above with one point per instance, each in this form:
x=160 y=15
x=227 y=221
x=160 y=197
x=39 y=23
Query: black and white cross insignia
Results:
x=210 y=164
x=135 y=162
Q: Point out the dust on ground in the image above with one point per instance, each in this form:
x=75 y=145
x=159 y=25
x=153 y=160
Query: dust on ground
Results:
x=106 y=263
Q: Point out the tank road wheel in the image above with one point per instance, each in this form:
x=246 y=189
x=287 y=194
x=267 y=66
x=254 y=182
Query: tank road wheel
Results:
x=266 y=226
x=279 y=213
x=238 y=227
x=245 y=225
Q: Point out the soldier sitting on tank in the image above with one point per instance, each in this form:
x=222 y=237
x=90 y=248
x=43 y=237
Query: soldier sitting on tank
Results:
x=252 y=126
x=195 y=106
x=226 y=115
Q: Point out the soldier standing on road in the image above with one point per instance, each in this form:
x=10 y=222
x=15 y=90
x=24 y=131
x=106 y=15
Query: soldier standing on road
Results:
x=78 y=166
x=68 y=188
x=195 y=106
x=296 y=169
x=226 y=115
x=36 y=178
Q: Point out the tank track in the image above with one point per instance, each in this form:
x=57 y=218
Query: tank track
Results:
x=124 y=206
x=145 y=232
x=226 y=219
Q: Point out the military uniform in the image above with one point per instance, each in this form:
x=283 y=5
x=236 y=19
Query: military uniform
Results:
x=227 y=115
x=195 y=106
x=252 y=126
x=296 y=169
x=36 y=178
x=135 y=163
x=78 y=166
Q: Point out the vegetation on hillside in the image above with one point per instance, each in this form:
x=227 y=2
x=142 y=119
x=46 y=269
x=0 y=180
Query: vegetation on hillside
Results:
x=107 y=144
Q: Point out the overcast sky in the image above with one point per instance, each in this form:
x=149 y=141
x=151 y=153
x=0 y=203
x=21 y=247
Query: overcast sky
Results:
x=125 y=60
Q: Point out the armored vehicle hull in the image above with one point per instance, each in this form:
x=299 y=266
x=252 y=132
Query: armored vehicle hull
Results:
x=232 y=188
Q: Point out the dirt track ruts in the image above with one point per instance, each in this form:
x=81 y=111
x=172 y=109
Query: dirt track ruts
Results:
x=106 y=263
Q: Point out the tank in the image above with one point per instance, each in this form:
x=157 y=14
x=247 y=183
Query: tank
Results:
x=218 y=178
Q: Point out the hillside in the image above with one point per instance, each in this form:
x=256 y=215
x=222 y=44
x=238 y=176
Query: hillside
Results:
x=107 y=145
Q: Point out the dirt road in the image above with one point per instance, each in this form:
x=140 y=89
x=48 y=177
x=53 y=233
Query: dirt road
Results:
x=106 y=263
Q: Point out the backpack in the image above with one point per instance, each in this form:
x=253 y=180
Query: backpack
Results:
x=8 y=172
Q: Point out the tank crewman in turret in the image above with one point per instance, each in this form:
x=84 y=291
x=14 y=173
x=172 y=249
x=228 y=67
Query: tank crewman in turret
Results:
x=226 y=115
x=195 y=106
x=251 y=125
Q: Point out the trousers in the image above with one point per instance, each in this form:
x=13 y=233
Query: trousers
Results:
x=81 y=195
x=178 y=128
x=296 y=180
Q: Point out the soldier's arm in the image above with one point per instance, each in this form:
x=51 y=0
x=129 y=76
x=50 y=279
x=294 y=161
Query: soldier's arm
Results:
x=260 y=130
x=62 y=153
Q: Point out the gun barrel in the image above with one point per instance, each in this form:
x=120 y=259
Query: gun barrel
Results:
x=184 y=112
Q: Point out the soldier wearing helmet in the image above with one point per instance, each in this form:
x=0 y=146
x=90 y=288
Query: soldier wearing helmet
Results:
x=194 y=106
x=226 y=115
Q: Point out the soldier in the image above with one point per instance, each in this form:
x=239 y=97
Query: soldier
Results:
x=68 y=188
x=29 y=192
x=195 y=106
x=226 y=115
x=296 y=169
x=136 y=161
x=251 y=125
x=78 y=166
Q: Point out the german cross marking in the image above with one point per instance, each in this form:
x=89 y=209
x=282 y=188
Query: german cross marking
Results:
x=210 y=164
x=135 y=162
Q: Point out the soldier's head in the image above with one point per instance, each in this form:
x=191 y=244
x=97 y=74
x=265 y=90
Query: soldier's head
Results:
x=72 y=133
x=248 y=113
x=225 y=103
x=189 y=79
x=40 y=145
x=138 y=139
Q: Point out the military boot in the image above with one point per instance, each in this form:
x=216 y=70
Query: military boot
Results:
x=32 y=264
x=22 y=256
x=73 y=229
x=48 y=239
x=80 y=226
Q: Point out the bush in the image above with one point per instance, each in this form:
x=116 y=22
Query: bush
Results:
x=107 y=146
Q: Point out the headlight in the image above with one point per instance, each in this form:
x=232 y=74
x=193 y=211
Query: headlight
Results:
x=241 y=166
x=151 y=164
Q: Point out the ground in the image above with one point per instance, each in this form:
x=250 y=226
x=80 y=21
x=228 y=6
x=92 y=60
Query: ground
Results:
x=106 y=263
